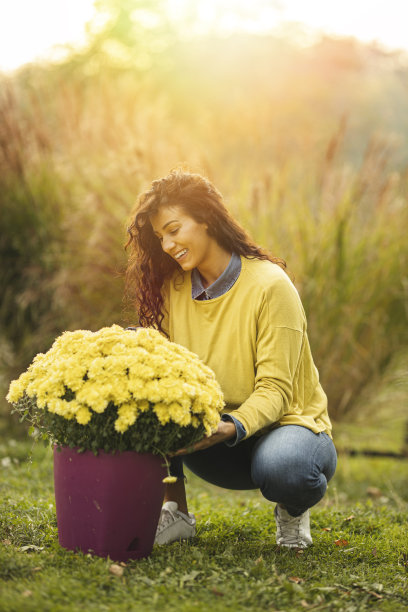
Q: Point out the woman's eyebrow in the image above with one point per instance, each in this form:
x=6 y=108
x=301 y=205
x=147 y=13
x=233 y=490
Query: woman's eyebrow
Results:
x=168 y=223
x=165 y=225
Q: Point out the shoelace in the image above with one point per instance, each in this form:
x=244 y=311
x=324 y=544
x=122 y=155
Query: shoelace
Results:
x=290 y=529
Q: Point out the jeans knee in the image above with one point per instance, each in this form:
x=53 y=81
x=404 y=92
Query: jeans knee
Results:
x=290 y=485
x=291 y=465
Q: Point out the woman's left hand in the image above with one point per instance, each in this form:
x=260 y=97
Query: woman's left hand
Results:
x=225 y=431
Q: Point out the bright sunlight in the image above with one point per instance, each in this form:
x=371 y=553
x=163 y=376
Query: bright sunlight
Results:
x=30 y=31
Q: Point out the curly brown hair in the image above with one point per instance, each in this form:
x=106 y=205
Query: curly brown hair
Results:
x=149 y=266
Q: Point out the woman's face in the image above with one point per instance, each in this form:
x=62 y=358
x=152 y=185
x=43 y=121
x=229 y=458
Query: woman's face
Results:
x=185 y=240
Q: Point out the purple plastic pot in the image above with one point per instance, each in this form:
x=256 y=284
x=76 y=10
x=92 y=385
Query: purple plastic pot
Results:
x=108 y=505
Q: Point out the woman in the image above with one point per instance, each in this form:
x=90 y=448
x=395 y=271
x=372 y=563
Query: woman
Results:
x=195 y=275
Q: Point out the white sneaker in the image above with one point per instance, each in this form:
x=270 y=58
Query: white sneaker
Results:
x=292 y=531
x=174 y=525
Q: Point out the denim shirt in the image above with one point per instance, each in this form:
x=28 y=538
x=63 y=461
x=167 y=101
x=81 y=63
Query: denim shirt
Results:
x=218 y=288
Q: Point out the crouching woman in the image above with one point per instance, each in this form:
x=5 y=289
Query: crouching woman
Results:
x=196 y=275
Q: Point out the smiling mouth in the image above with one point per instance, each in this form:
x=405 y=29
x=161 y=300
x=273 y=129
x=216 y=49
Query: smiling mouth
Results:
x=180 y=254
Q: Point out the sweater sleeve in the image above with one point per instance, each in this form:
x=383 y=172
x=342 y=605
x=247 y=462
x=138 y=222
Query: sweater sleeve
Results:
x=279 y=344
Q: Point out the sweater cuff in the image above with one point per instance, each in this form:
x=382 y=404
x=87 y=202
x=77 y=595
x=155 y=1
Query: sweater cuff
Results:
x=241 y=431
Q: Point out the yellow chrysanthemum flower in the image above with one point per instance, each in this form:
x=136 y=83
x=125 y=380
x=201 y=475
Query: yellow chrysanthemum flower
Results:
x=132 y=372
x=162 y=412
x=127 y=416
x=179 y=414
x=143 y=405
x=83 y=415
x=16 y=390
x=91 y=394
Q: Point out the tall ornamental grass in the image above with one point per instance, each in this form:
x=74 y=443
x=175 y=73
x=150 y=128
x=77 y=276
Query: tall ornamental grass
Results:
x=343 y=234
x=31 y=212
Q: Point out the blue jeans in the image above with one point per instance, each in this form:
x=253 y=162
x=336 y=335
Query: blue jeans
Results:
x=291 y=465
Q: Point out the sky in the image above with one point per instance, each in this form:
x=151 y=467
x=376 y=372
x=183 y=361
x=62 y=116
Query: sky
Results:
x=30 y=29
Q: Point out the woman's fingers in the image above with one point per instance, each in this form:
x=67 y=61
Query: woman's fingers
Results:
x=225 y=431
x=191 y=449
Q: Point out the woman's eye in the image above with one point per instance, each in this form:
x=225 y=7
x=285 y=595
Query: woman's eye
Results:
x=174 y=231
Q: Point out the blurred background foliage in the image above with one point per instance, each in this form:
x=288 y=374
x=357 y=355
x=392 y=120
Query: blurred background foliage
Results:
x=307 y=144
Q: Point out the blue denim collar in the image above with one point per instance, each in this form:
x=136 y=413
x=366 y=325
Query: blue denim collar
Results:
x=221 y=285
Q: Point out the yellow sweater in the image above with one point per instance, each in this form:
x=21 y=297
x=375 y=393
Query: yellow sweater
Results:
x=255 y=340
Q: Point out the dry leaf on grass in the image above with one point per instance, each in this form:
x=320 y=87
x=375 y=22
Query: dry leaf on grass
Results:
x=373 y=492
x=296 y=579
x=341 y=542
x=116 y=570
x=217 y=592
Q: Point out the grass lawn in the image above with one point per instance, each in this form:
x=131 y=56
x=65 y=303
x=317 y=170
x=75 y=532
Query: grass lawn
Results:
x=359 y=559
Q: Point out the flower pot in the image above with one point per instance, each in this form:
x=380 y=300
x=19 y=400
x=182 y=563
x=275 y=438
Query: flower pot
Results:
x=108 y=505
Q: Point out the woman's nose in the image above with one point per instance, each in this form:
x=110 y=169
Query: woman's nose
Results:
x=167 y=244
